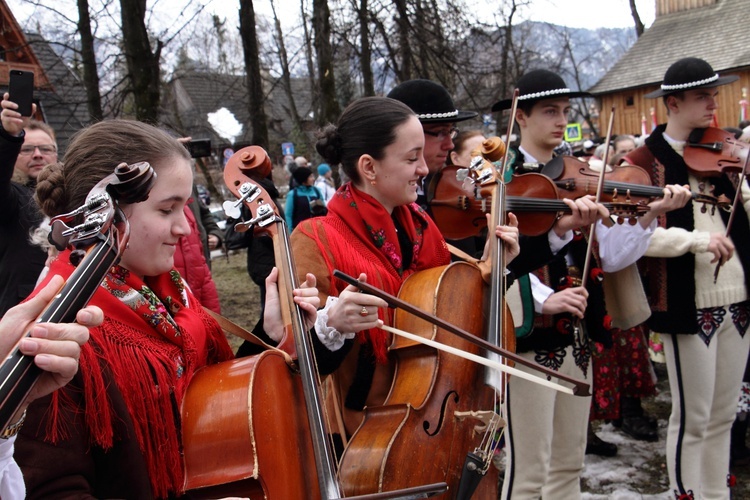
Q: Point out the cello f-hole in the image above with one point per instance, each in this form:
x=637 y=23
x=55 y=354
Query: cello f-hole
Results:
x=446 y=400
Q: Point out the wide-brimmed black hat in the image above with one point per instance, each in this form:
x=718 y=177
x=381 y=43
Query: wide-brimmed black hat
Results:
x=688 y=74
x=539 y=84
x=430 y=101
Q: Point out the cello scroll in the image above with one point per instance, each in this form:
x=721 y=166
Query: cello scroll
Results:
x=99 y=235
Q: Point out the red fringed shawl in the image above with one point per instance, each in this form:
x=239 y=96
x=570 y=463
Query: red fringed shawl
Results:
x=362 y=238
x=154 y=337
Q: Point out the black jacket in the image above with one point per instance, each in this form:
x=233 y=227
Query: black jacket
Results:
x=20 y=261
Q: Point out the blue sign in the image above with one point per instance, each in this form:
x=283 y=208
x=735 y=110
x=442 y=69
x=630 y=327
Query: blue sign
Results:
x=287 y=148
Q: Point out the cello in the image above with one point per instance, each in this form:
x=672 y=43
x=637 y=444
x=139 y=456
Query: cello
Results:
x=245 y=424
x=424 y=431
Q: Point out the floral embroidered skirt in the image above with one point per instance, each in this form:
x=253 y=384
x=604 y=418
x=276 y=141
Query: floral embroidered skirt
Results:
x=623 y=370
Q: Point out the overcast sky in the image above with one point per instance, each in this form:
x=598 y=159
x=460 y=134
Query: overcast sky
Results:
x=574 y=13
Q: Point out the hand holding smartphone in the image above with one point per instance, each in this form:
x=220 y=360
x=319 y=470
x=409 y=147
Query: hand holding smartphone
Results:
x=21 y=90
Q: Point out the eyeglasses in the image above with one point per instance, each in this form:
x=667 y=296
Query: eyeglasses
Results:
x=45 y=149
x=443 y=133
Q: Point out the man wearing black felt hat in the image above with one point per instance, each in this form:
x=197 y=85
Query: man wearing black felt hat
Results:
x=547 y=431
x=438 y=114
x=702 y=318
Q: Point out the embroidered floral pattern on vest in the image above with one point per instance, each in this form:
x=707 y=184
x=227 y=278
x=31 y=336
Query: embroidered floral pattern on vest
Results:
x=552 y=359
x=582 y=353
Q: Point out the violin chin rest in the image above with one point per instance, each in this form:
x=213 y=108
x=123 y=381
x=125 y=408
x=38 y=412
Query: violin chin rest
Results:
x=554 y=168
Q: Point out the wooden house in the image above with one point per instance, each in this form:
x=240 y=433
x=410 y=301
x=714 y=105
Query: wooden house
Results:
x=194 y=93
x=714 y=30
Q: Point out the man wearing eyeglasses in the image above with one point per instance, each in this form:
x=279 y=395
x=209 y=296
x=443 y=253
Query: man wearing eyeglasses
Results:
x=26 y=147
x=435 y=109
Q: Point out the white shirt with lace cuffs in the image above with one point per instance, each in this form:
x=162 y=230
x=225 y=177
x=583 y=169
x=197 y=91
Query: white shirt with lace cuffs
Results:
x=329 y=336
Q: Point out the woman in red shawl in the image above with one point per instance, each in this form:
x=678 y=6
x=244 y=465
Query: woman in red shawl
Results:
x=114 y=431
x=373 y=230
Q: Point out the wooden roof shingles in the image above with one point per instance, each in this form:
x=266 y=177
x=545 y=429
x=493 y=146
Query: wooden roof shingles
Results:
x=196 y=93
x=64 y=102
x=717 y=33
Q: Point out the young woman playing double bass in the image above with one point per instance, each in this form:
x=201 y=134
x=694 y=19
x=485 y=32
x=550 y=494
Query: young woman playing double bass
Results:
x=114 y=432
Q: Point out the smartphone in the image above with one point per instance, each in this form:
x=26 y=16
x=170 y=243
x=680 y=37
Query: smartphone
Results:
x=21 y=90
x=199 y=148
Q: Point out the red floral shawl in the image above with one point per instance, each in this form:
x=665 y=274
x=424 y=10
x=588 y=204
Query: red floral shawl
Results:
x=362 y=237
x=154 y=337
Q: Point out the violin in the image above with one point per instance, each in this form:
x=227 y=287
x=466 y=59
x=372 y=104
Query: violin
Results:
x=710 y=152
x=459 y=207
x=574 y=177
x=99 y=235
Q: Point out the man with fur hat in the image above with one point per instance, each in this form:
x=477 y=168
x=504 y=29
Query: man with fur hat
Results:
x=702 y=318
x=547 y=431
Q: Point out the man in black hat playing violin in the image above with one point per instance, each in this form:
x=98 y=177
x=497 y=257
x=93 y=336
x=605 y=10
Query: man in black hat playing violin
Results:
x=438 y=114
x=703 y=321
x=547 y=431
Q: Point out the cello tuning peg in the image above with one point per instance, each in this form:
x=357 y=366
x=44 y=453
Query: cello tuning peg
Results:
x=232 y=209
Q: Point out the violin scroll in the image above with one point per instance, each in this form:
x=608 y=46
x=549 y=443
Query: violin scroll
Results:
x=712 y=151
x=493 y=149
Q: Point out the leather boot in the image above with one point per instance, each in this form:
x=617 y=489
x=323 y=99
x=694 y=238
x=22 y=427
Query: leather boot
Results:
x=596 y=446
x=634 y=421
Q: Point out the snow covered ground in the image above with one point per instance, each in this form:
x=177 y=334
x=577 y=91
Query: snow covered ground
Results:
x=637 y=472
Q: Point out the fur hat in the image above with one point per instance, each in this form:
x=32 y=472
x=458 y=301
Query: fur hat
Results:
x=690 y=73
x=539 y=84
x=430 y=101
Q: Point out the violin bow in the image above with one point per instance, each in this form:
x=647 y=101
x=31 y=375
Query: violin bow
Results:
x=743 y=176
x=599 y=189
